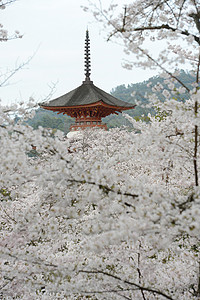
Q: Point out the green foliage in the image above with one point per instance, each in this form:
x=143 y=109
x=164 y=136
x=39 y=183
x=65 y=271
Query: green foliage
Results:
x=143 y=89
x=4 y=195
x=49 y=119
x=161 y=115
x=32 y=153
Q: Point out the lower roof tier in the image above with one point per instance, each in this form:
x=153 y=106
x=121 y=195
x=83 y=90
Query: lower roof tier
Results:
x=98 y=110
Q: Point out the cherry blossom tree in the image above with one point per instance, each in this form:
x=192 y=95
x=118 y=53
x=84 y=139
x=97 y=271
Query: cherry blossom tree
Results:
x=108 y=214
x=6 y=75
x=96 y=221
x=4 y=36
x=175 y=22
x=154 y=21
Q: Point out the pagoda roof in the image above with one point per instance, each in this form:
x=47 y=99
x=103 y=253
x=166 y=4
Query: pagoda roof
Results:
x=86 y=94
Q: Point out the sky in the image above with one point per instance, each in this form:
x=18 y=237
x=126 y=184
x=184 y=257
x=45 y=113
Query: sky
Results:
x=53 y=37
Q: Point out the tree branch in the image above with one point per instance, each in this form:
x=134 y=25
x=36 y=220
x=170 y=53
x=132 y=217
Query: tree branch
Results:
x=139 y=271
x=137 y=286
x=149 y=28
x=4 y=4
x=196 y=131
x=4 y=285
x=166 y=26
x=196 y=18
x=198 y=287
x=9 y=74
x=106 y=189
x=165 y=70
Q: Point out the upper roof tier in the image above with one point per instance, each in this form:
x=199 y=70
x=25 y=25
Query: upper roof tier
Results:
x=87 y=93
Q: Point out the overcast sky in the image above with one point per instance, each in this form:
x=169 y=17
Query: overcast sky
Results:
x=54 y=34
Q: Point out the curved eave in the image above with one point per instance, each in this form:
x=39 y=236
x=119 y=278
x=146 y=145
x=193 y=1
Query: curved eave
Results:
x=98 y=103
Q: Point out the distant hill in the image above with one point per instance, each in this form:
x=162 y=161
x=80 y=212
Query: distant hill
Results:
x=140 y=90
x=50 y=119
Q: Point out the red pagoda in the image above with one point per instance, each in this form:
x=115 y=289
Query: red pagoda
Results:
x=87 y=103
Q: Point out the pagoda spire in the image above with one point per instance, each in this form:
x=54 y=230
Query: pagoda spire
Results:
x=87 y=57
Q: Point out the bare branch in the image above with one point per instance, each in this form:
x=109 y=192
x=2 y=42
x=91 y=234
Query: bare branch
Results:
x=13 y=72
x=52 y=87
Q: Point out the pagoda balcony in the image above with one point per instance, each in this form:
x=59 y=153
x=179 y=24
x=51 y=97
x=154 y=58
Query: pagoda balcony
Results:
x=87 y=124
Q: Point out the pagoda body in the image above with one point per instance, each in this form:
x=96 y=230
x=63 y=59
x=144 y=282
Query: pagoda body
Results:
x=87 y=103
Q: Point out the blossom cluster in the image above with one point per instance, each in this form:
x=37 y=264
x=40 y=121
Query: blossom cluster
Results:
x=82 y=216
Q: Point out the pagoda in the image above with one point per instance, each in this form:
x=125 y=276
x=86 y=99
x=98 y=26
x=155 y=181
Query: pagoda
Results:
x=87 y=103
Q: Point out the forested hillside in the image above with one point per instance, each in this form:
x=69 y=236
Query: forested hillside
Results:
x=138 y=92
x=49 y=119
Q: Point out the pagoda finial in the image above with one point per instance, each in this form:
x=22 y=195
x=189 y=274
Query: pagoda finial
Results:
x=87 y=57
